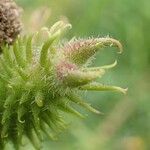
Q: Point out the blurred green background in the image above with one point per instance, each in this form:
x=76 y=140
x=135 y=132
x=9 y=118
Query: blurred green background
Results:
x=125 y=124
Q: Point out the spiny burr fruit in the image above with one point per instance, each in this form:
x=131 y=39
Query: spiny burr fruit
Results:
x=10 y=24
x=40 y=79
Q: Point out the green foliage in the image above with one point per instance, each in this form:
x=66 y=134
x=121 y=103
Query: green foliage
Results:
x=128 y=21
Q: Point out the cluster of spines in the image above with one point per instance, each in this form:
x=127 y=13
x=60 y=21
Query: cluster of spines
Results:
x=22 y=104
x=37 y=84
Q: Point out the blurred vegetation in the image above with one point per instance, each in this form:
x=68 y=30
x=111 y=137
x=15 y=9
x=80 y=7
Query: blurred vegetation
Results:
x=125 y=124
